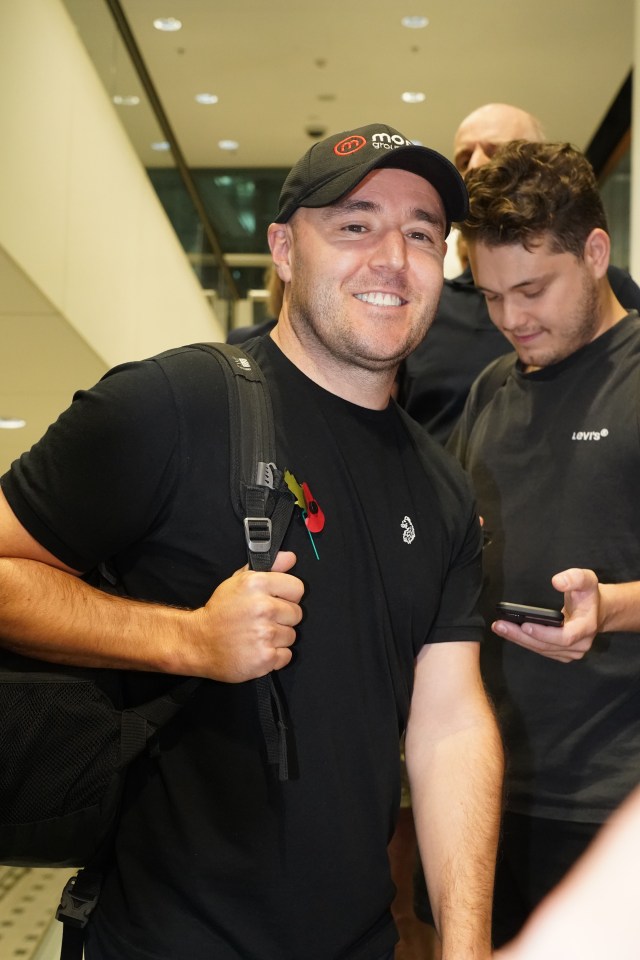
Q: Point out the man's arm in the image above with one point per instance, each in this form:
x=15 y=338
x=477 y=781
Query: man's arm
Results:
x=455 y=766
x=589 y=608
x=593 y=913
x=243 y=631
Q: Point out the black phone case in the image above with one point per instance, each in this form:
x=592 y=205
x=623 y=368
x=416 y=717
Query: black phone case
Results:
x=522 y=613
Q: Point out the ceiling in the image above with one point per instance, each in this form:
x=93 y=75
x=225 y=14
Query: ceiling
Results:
x=282 y=67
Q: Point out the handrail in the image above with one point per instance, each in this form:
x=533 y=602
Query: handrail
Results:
x=133 y=50
x=613 y=135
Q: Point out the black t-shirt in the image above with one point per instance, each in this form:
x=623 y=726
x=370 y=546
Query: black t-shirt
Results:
x=437 y=376
x=554 y=458
x=216 y=857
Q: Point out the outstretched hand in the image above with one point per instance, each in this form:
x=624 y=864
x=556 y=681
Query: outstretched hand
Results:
x=247 y=627
x=581 y=620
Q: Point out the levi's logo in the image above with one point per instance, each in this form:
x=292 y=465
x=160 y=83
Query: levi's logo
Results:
x=349 y=145
x=590 y=434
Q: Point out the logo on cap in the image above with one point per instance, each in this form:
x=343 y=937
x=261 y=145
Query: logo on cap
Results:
x=349 y=145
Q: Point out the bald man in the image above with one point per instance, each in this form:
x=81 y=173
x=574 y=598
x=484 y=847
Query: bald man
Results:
x=482 y=132
x=437 y=377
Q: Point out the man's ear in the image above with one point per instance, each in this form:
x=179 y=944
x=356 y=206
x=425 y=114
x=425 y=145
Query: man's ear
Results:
x=597 y=250
x=279 y=237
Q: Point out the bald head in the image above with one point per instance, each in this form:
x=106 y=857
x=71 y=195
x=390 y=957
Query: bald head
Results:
x=483 y=131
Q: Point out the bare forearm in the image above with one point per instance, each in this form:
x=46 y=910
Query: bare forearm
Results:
x=619 y=607
x=52 y=615
x=456 y=787
x=244 y=631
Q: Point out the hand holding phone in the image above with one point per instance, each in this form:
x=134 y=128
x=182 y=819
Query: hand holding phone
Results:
x=522 y=613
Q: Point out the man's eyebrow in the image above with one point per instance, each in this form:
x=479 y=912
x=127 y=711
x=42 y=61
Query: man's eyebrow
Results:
x=516 y=286
x=427 y=217
x=341 y=207
x=540 y=278
x=350 y=206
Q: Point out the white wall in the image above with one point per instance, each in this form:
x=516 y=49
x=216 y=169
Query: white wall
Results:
x=78 y=214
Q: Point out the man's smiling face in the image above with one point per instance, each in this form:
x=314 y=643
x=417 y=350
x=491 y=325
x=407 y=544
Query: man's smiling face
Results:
x=366 y=272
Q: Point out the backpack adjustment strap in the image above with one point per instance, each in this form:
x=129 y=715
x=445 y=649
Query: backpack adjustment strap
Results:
x=257 y=531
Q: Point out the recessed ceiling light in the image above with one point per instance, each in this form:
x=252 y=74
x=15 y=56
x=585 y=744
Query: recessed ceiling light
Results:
x=415 y=96
x=161 y=146
x=126 y=101
x=168 y=24
x=12 y=423
x=415 y=23
x=228 y=144
x=206 y=98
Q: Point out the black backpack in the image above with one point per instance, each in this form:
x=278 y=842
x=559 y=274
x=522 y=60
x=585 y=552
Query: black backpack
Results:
x=67 y=739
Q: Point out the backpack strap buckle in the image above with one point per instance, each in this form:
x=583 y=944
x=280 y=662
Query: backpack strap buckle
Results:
x=79 y=898
x=257 y=531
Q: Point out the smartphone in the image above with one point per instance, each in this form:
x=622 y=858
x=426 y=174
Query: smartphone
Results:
x=521 y=613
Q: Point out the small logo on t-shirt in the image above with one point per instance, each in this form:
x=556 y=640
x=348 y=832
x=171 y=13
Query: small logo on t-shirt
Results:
x=409 y=533
x=590 y=434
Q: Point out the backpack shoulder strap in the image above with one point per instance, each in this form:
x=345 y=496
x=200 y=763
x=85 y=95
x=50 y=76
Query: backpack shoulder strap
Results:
x=263 y=502
x=259 y=493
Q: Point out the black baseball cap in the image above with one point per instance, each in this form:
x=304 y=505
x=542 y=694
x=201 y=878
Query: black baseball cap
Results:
x=332 y=168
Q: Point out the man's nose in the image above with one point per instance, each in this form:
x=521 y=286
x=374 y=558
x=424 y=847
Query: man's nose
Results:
x=511 y=316
x=478 y=158
x=391 y=252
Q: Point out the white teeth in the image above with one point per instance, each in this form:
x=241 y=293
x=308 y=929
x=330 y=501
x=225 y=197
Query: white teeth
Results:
x=380 y=299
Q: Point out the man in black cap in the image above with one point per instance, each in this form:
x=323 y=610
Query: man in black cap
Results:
x=216 y=858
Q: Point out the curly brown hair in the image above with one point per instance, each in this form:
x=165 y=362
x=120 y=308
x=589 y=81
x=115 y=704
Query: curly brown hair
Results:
x=530 y=191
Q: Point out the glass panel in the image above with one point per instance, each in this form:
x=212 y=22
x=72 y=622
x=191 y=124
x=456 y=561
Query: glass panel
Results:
x=616 y=196
x=241 y=203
